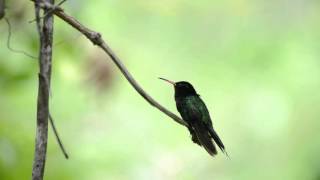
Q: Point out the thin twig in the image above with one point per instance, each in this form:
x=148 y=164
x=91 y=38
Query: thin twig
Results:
x=57 y=137
x=2 y=8
x=45 y=57
x=55 y=131
x=9 y=44
x=61 y=2
x=96 y=39
x=49 y=12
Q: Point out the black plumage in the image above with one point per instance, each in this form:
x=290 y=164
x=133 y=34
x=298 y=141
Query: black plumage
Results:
x=193 y=111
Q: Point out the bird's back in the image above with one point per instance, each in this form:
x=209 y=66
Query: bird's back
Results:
x=195 y=113
x=192 y=108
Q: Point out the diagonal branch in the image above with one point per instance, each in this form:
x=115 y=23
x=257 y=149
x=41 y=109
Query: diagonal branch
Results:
x=2 y=8
x=45 y=30
x=96 y=39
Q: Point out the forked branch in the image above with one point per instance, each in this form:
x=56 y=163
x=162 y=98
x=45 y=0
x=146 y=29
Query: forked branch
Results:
x=96 y=39
x=45 y=30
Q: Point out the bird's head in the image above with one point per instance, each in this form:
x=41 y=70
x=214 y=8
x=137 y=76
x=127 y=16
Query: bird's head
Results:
x=182 y=88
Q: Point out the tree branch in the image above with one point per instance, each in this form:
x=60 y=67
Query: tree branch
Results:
x=56 y=134
x=2 y=8
x=96 y=39
x=45 y=30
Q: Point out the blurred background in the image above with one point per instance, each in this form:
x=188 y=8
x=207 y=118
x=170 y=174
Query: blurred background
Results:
x=255 y=64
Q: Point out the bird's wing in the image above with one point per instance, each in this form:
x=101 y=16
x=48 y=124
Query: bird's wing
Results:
x=191 y=113
x=206 y=115
x=207 y=120
x=187 y=116
x=188 y=110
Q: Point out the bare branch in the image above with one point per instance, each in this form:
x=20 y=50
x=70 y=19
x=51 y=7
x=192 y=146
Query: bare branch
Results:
x=55 y=132
x=9 y=42
x=45 y=56
x=96 y=39
x=2 y=8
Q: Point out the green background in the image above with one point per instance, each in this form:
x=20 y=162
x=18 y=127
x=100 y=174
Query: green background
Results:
x=255 y=64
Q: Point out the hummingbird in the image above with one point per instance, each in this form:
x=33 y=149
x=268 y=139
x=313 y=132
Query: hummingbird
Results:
x=195 y=113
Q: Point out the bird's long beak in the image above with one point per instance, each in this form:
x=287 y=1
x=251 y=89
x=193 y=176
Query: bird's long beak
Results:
x=171 y=82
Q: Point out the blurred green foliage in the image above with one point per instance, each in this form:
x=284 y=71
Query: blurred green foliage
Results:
x=255 y=64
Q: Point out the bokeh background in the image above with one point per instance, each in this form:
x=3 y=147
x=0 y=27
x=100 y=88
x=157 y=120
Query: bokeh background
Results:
x=255 y=63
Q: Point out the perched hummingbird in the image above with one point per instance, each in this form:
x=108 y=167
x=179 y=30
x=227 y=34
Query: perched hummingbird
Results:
x=195 y=113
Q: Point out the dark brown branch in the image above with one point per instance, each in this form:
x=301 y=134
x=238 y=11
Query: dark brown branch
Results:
x=2 y=8
x=96 y=39
x=55 y=132
x=45 y=30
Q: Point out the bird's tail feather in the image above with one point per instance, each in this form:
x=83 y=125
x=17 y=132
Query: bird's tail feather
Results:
x=204 y=138
x=218 y=141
